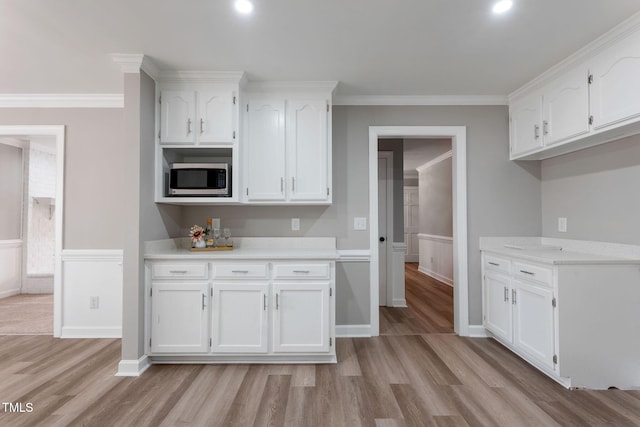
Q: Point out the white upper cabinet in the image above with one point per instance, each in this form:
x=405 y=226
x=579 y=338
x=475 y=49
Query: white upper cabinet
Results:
x=615 y=90
x=591 y=98
x=198 y=117
x=265 y=150
x=566 y=107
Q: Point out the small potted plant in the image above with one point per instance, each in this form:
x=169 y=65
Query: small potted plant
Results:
x=198 y=235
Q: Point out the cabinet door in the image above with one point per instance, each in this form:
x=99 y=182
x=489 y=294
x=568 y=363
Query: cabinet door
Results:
x=525 y=122
x=177 y=117
x=497 y=305
x=301 y=317
x=533 y=325
x=307 y=147
x=215 y=116
x=566 y=107
x=179 y=314
x=615 y=91
x=265 y=151
x=239 y=318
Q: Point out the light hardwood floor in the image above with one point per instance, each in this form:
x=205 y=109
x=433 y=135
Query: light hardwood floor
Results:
x=404 y=378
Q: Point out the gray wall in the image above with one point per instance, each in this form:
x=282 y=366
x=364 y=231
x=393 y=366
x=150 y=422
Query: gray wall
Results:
x=435 y=199
x=10 y=192
x=94 y=171
x=597 y=190
x=395 y=146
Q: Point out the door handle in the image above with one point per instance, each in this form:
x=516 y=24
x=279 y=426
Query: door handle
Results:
x=382 y=239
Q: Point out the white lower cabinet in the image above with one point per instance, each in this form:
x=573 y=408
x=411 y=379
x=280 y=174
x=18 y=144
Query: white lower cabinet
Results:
x=497 y=307
x=179 y=317
x=245 y=311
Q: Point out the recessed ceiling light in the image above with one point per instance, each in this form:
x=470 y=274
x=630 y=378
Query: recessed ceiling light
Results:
x=502 y=6
x=244 y=6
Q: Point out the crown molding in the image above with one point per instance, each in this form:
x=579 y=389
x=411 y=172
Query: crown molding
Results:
x=234 y=77
x=134 y=62
x=435 y=161
x=622 y=30
x=61 y=100
x=422 y=100
x=292 y=86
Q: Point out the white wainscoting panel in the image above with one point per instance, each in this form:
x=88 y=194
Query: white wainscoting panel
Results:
x=436 y=257
x=88 y=274
x=10 y=267
x=398 y=257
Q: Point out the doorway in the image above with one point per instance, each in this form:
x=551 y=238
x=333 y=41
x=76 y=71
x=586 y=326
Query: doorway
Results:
x=457 y=134
x=35 y=248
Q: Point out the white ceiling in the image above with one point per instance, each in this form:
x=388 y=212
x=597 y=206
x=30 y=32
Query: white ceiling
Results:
x=372 y=47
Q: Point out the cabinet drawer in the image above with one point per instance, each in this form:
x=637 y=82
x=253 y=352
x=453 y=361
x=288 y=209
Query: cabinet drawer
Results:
x=496 y=263
x=296 y=271
x=240 y=271
x=182 y=270
x=532 y=272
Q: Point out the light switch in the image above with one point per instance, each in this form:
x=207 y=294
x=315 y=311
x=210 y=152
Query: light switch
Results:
x=359 y=223
x=562 y=225
x=295 y=224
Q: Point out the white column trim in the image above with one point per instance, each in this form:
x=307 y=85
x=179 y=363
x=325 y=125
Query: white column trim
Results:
x=133 y=368
x=353 y=331
x=434 y=237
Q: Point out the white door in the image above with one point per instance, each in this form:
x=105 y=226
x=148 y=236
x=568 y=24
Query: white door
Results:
x=497 y=305
x=215 y=111
x=265 y=151
x=525 y=118
x=307 y=150
x=411 y=224
x=566 y=107
x=533 y=326
x=239 y=318
x=301 y=317
x=384 y=202
x=615 y=91
x=179 y=314
x=177 y=117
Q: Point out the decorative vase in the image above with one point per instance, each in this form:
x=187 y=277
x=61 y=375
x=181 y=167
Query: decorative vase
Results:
x=200 y=244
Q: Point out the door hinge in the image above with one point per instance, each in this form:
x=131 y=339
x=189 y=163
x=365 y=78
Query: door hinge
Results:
x=151 y=292
x=160 y=99
x=590 y=120
x=159 y=133
x=330 y=342
x=553 y=302
x=234 y=100
x=149 y=342
x=327 y=107
x=330 y=292
x=247 y=191
x=210 y=342
x=247 y=108
x=327 y=191
x=211 y=291
x=555 y=359
x=234 y=134
x=590 y=79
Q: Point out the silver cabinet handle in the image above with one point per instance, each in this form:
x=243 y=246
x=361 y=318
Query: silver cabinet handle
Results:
x=301 y=271
x=494 y=263
x=527 y=272
x=264 y=296
x=201 y=126
x=293 y=184
x=188 y=126
x=277 y=303
x=513 y=296
x=203 y=296
x=545 y=127
x=506 y=294
x=536 y=131
x=281 y=184
x=240 y=271
x=178 y=271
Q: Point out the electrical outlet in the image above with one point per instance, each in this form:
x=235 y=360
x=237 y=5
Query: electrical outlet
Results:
x=360 y=223
x=94 y=302
x=295 y=224
x=562 y=225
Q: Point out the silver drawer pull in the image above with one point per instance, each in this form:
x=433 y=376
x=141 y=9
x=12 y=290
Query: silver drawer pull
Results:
x=178 y=271
x=527 y=272
x=240 y=271
x=302 y=271
x=494 y=263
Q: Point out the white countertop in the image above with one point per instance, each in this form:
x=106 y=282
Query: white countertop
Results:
x=559 y=252
x=247 y=248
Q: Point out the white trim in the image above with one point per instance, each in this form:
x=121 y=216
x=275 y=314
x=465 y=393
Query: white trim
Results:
x=10 y=293
x=292 y=86
x=421 y=100
x=478 y=331
x=58 y=132
x=620 y=31
x=388 y=156
x=354 y=255
x=133 y=368
x=431 y=163
x=437 y=276
x=91 y=255
x=458 y=134
x=353 y=331
x=222 y=77
x=61 y=100
x=398 y=251
x=14 y=243
x=91 y=332
x=434 y=237
x=132 y=63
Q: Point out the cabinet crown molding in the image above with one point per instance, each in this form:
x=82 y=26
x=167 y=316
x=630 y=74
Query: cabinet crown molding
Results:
x=194 y=76
x=134 y=62
x=292 y=86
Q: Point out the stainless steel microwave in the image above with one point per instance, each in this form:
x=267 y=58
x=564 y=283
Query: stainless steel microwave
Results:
x=200 y=179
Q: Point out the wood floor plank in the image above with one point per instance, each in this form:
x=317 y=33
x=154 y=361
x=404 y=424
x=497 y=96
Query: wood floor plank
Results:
x=301 y=407
x=348 y=359
x=273 y=403
x=245 y=406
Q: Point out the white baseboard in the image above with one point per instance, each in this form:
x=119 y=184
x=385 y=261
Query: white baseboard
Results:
x=353 y=331
x=133 y=368
x=439 y=277
x=477 y=331
x=91 y=332
x=9 y=293
x=399 y=302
